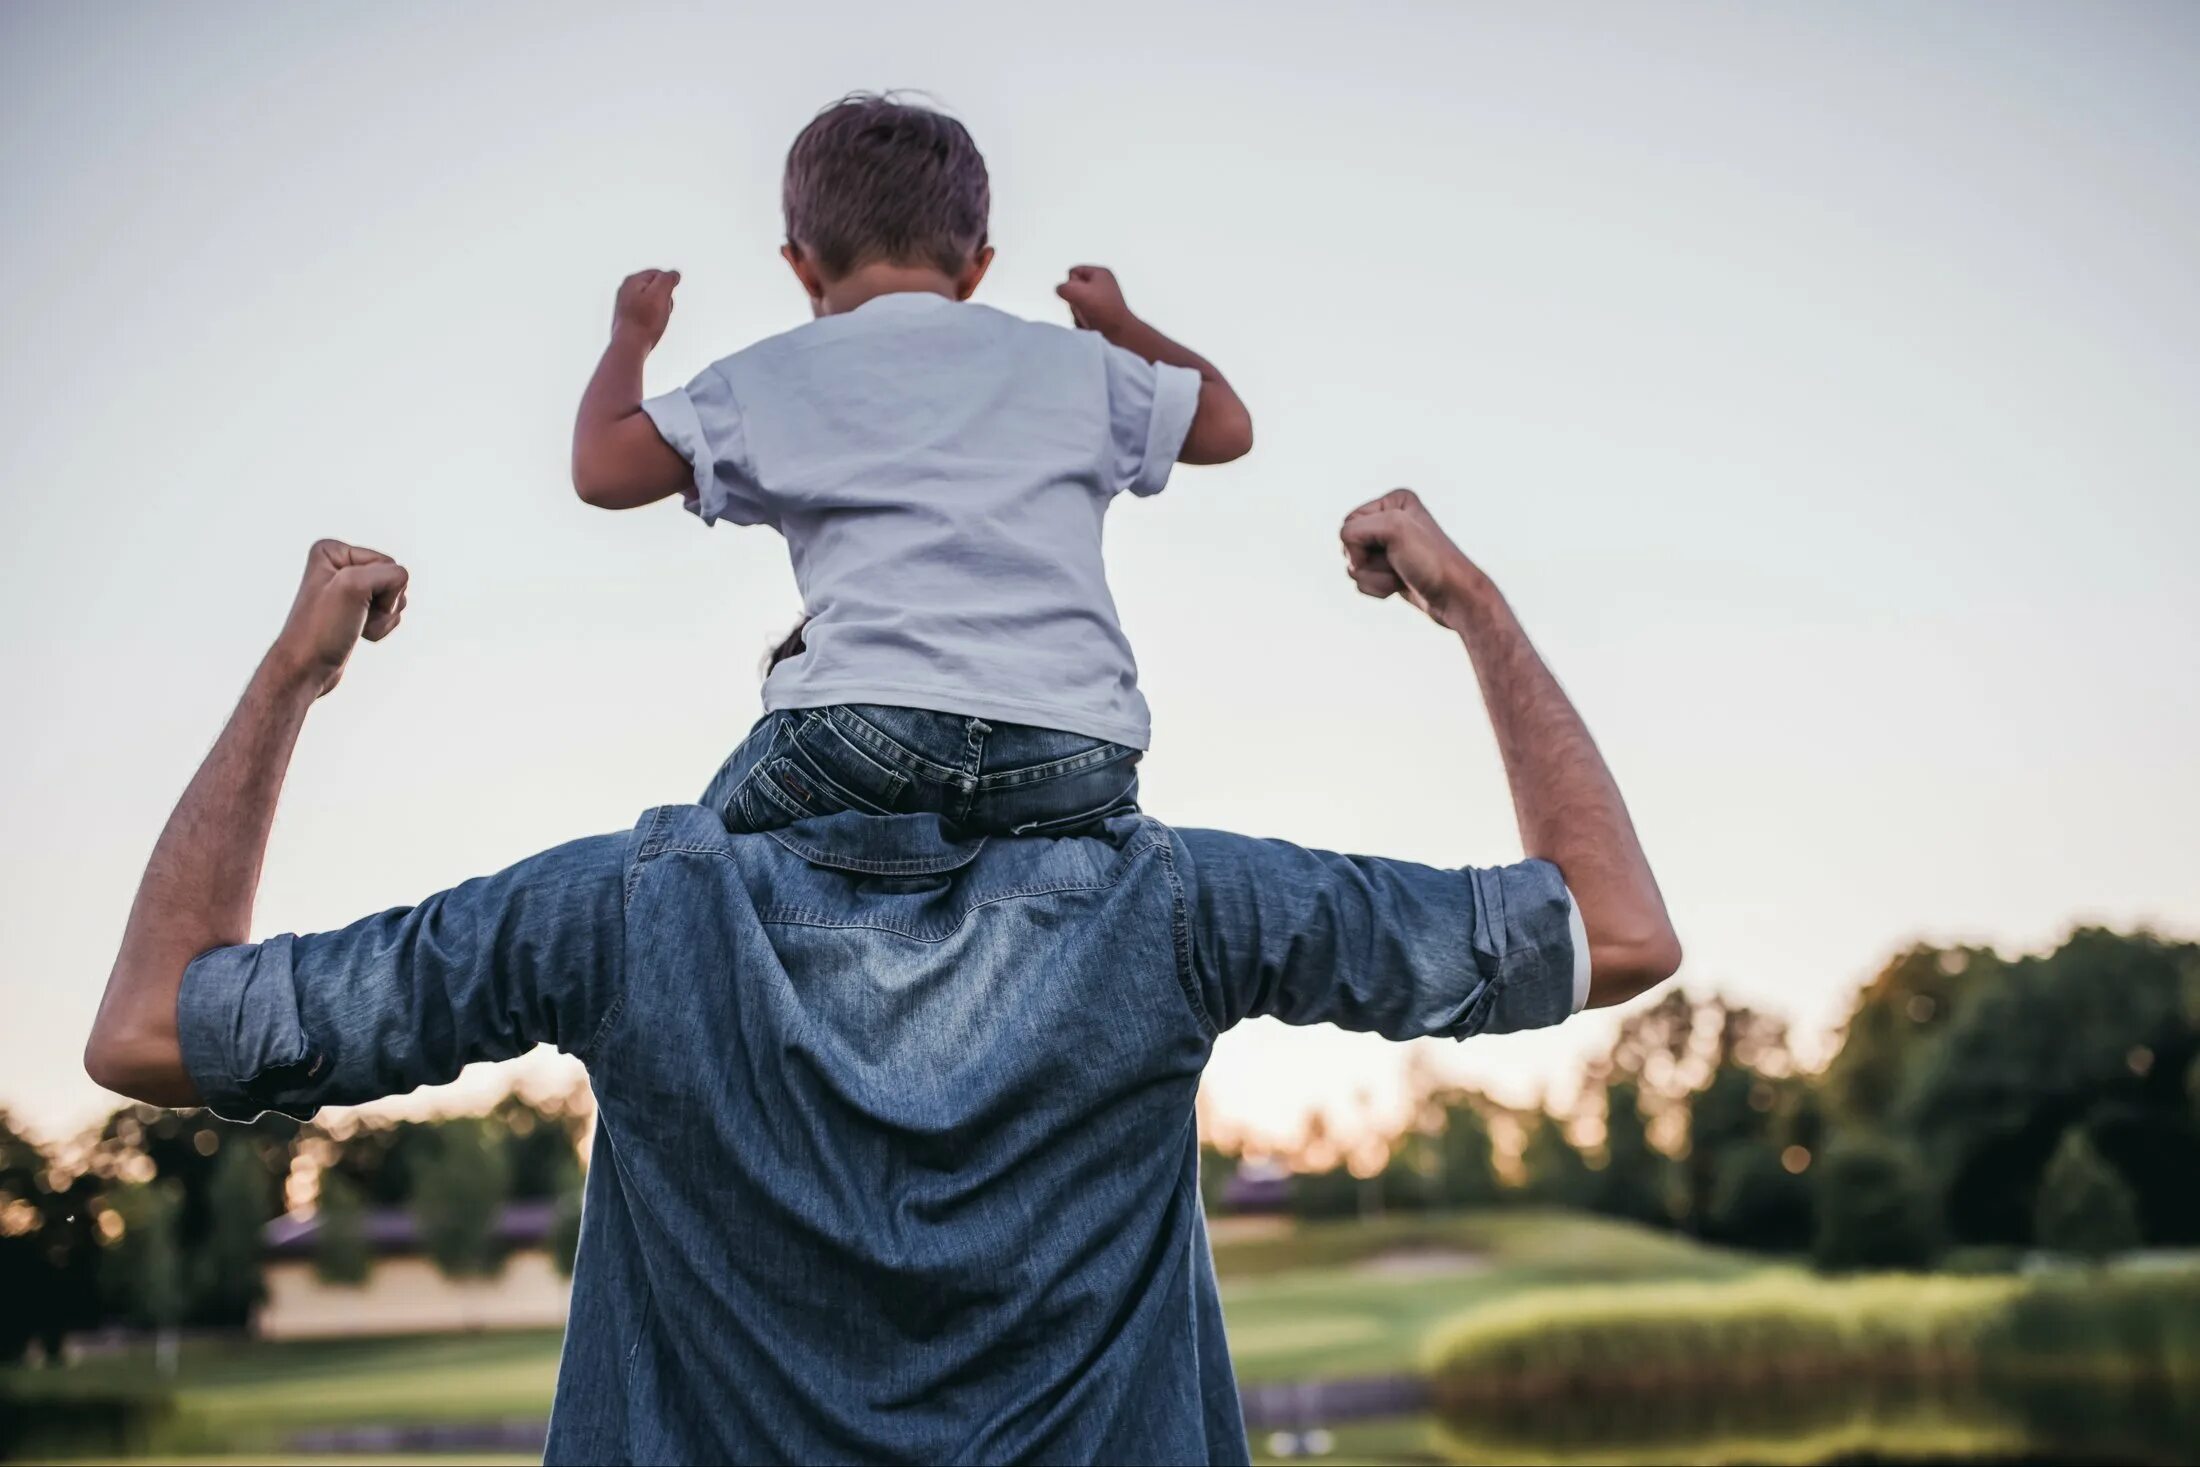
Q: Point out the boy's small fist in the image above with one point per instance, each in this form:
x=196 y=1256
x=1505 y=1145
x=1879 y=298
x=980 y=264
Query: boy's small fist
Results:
x=1095 y=300
x=645 y=304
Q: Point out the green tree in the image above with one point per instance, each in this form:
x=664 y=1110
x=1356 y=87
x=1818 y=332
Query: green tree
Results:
x=1757 y=1202
x=1408 y=1181
x=1898 y=1019
x=141 y=1273
x=340 y=1251
x=1728 y=1113
x=49 y=1254
x=541 y=1145
x=565 y=1232
x=1873 y=1210
x=2084 y=1207
x=1216 y=1168
x=1466 y=1158
x=2099 y=1031
x=458 y=1197
x=1634 y=1181
x=1327 y=1196
x=1556 y=1173
x=224 y=1269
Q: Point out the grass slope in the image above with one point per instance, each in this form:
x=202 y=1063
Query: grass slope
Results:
x=1299 y=1306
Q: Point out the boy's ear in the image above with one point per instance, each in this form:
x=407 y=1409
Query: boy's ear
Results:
x=966 y=284
x=805 y=270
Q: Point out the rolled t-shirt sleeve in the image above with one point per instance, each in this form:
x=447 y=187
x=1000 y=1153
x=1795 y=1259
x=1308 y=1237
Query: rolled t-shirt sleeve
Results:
x=1393 y=947
x=703 y=423
x=409 y=997
x=1150 y=410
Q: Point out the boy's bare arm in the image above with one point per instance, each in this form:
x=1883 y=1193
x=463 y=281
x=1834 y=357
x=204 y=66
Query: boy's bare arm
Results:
x=619 y=459
x=1222 y=429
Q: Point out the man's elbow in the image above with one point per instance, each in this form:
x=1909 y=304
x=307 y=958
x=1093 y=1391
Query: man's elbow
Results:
x=139 y=1066
x=1620 y=971
x=102 y=1063
x=114 y=1063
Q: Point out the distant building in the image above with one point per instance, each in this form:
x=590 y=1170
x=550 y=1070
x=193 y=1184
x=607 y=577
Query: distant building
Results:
x=406 y=1293
x=1258 y=1186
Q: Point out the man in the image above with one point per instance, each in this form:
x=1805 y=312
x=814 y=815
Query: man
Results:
x=895 y=1157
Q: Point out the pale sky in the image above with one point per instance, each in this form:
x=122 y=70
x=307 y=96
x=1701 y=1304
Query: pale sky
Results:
x=1818 y=380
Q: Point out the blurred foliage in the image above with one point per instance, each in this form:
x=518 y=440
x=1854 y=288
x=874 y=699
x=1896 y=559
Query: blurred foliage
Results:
x=459 y=1192
x=157 y=1219
x=48 y=1248
x=1636 y=1181
x=340 y=1251
x=1554 y=1173
x=1874 y=1209
x=2098 y=1033
x=1216 y=1168
x=1932 y=1126
x=241 y=1197
x=2084 y=1207
x=1784 y=1367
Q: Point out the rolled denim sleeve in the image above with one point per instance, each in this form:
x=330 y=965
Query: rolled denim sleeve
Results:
x=703 y=424
x=484 y=971
x=1393 y=947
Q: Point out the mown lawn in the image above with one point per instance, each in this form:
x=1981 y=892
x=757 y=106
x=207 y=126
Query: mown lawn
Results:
x=1324 y=1300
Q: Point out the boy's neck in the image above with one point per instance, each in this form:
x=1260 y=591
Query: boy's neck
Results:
x=869 y=282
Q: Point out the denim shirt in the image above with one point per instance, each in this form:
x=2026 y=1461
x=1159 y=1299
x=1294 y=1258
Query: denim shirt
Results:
x=895 y=1156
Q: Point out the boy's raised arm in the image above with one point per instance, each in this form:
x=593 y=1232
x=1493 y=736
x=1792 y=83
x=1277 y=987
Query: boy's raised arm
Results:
x=1222 y=429
x=619 y=459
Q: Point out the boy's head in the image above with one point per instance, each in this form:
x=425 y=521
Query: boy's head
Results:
x=875 y=181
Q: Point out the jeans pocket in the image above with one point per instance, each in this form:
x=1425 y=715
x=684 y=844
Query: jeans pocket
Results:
x=844 y=771
x=812 y=771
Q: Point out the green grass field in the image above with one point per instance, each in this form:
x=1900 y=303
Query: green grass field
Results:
x=1322 y=1301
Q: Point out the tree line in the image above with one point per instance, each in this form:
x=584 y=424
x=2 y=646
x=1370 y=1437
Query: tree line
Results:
x=155 y=1221
x=1977 y=1107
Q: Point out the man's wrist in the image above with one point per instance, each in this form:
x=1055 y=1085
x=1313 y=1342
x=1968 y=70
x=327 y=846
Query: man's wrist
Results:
x=629 y=338
x=287 y=676
x=1468 y=599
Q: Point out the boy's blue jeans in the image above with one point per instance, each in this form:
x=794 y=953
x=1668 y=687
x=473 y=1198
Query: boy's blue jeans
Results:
x=981 y=778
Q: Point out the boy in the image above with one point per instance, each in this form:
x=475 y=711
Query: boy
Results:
x=940 y=471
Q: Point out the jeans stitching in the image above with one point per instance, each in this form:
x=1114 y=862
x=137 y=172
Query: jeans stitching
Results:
x=1055 y=769
x=886 y=747
x=1180 y=929
x=897 y=782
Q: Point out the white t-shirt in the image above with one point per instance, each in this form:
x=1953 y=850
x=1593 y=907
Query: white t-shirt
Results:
x=939 y=471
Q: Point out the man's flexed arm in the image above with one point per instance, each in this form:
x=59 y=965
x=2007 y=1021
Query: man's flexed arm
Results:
x=198 y=886
x=1568 y=805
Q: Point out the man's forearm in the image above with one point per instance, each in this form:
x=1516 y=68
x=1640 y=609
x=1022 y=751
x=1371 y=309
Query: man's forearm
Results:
x=198 y=887
x=1568 y=805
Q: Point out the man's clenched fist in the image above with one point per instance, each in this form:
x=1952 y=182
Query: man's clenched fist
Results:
x=347 y=593
x=1095 y=300
x=645 y=305
x=1394 y=547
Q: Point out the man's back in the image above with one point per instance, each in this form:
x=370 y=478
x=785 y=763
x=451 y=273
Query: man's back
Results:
x=893 y=1165
x=895 y=1156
